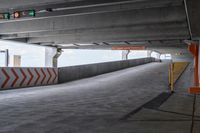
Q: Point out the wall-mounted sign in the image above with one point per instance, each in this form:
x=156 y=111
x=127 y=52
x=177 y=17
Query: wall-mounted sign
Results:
x=26 y=13
x=128 y=48
x=4 y=15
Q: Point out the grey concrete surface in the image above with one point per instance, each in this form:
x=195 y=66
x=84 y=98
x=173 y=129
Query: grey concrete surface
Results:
x=98 y=104
x=193 y=14
x=159 y=25
x=71 y=73
x=89 y=24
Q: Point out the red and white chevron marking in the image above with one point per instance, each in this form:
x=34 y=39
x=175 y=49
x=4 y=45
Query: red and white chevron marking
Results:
x=24 y=77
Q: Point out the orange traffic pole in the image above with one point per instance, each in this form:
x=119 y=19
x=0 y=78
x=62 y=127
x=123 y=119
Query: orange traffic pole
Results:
x=194 y=49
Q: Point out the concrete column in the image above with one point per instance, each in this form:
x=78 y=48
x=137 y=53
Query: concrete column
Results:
x=125 y=54
x=49 y=54
x=158 y=55
x=56 y=56
x=149 y=53
x=6 y=52
x=6 y=58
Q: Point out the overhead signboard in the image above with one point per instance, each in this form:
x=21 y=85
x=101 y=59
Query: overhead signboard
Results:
x=18 y=14
x=128 y=48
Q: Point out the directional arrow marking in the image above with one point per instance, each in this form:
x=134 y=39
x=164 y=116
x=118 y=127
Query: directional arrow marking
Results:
x=16 y=77
x=21 y=77
x=7 y=78
x=24 y=77
x=31 y=78
x=54 y=75
x=38 y=76
x=50 y=76
x=44 y=75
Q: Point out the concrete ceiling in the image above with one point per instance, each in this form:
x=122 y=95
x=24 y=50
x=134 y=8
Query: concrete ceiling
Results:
x=102 y=24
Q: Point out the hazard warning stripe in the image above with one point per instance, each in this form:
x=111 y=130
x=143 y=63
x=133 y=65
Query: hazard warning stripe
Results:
x=16 y=77
x=24 y=77
x=55 y=76
x=50 y=76
x=31 y=76
x=38 y=76
x=7 y=78
x=44 y=75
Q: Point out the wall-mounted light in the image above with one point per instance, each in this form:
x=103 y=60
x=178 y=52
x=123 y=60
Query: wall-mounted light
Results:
x=16 y=14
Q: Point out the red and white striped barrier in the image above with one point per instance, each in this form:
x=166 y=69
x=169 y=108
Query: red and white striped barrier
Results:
x=25 y=77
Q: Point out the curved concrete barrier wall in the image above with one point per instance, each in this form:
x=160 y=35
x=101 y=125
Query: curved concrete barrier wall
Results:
x=26 y=77
x=66 y=74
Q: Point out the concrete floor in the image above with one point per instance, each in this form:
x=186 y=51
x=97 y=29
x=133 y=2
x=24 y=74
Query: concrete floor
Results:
x=126 y=101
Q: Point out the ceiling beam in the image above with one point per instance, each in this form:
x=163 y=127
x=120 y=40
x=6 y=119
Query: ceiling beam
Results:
x=54 y=4
x=192 y=7
x=160 y=27
x=61 y=10
x=120 y=35
x=132 y=17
